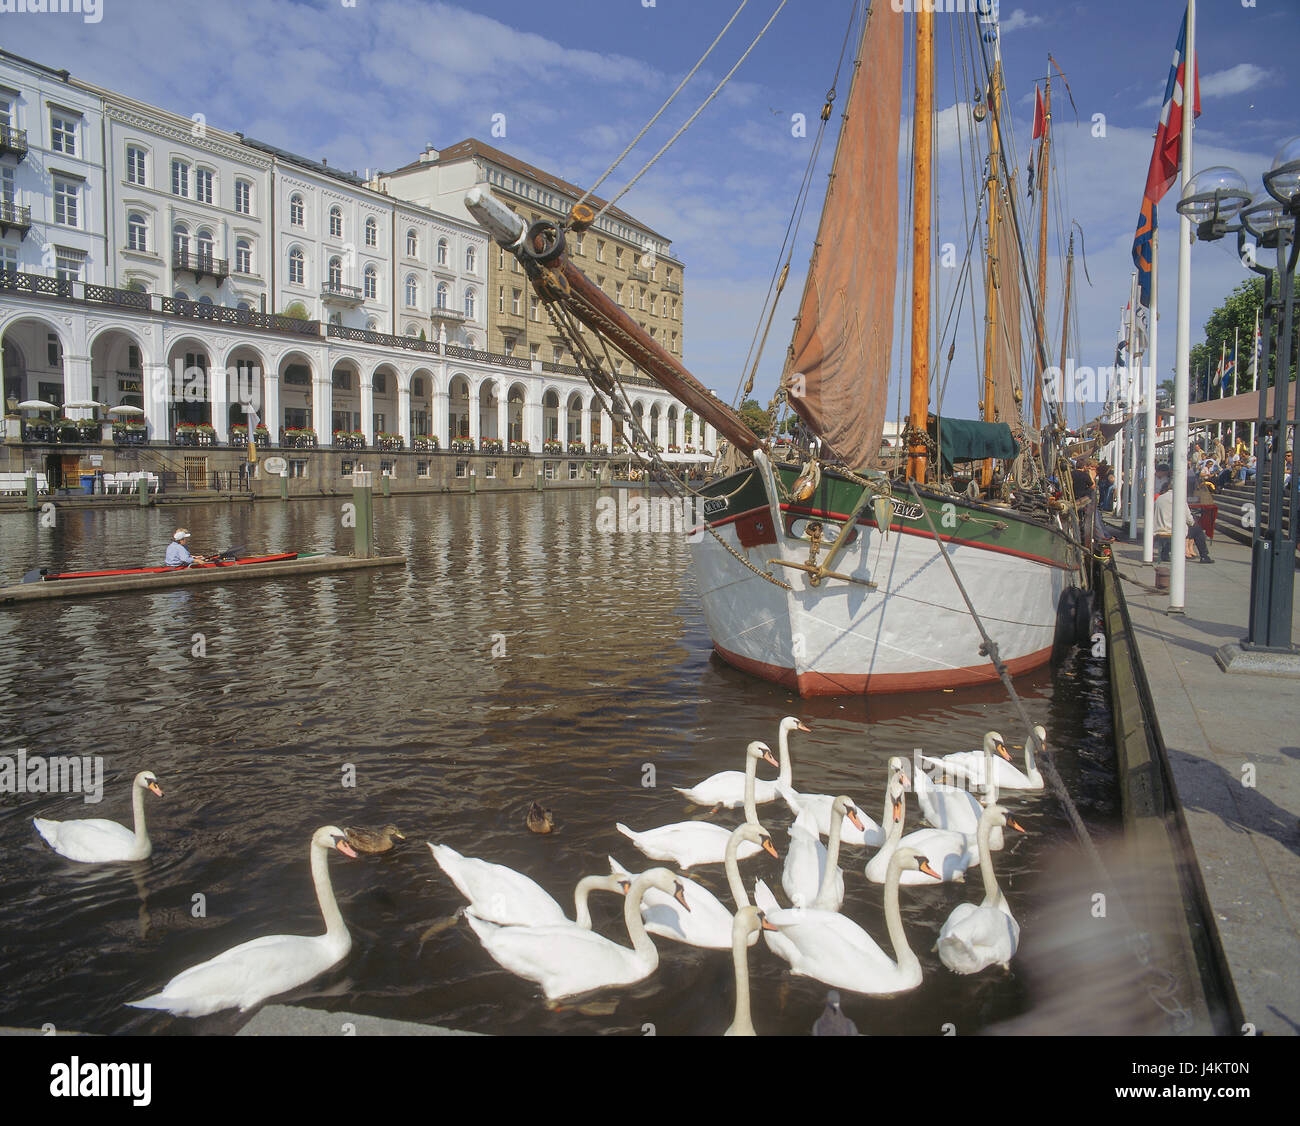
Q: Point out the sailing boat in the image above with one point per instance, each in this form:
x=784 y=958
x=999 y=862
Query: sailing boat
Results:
x=825 y=575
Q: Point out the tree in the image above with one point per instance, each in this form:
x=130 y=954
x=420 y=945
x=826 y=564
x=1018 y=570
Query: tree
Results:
x=756 y=418
x=1235 y=318
x=298 y=311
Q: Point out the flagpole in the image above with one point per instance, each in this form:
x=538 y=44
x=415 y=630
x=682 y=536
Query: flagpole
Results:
x=1178 y=546
x=1153 y=336
x=1130 y=428
x=1254 y=383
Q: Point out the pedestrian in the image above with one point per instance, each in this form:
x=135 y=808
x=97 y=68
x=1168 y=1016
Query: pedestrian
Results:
x=1164 y=525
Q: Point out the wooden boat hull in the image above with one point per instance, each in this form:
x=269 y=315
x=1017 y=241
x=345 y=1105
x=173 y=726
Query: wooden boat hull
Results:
x=911 y=631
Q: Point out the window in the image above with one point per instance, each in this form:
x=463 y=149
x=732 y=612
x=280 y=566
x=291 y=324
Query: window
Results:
x=181 y=241
x=137 y=232
x=63 y=134
x=243 y=256
x=412 y=244
x=336 y=273
x=674 y=341
x=296 y=210
x=471 y=302
x=135 y=166
x=534 y=352
x=557 y=354
x=462 y=469
x=443 y=293
x=6 y=113
x=67 y=195
x=643 y=299
x=533 y=305
x=501 y=299
x=509 y=344
x=205 y=248
x=68 y=264
x=618 y=257
x=515 y=296
x=243 y=197
x=653 y=299
x=372 y=325
x=297 y=266
x=600 y=250
x=203 y=185
x=668 y=273
x=618 y=292
x=372 y=233
x=471 y=260
x=180 y=178
x=53 y=350
x=7 y=192
x=491 y=471
x=336 y=222
x=380 y=383
x=412 y=292
x=580 y=242
x=501 y=258
x=371 y=282
x=442 y=252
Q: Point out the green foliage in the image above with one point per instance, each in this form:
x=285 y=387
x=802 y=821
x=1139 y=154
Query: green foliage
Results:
x=756 y=418
x=298 y=311
x=1235 y=317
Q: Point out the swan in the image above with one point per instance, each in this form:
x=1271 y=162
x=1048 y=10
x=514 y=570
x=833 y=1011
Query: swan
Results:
x=508 y=898
x=688 y=843
x=727 y=787
x=708 y=923
x=98 y=841
x=251 y=972
x=947 y=807
x=833 y=949
x=819 y=805
x=567 y=961
x=744 y=932
x=974 y=938
x=969 y=765
x=949 y=853
x=807 y=861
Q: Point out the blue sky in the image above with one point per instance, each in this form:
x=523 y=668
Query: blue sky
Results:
x=368 y=84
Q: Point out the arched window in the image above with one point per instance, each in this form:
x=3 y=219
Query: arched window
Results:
x=442 y=252
x=417 y=387
x=371 y=282
x=297 y=266
x=181 y=241
x=412 y=292
x=296 y=210
x=137 y=232
x=372 y=232
x=181 y=295
x=244 y=307
x=411 y=330
x=243 y=256
x=471 y=260
x=205 y=248
x=443 y=292
x=336 y=222
x=471 y=301
x=372 y=325
x=336 y=273
x=412 y=244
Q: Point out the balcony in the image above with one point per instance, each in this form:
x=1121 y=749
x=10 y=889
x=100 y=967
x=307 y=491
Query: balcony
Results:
x=383 y=339
x=13 y=141
x=14 y=217
x=445 y=313
x=336 y=293
x=200 y=265
x=638 y=275
x=672 y=287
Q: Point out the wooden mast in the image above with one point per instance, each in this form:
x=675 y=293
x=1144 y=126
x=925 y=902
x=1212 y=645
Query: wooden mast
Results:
x=1044 y=163
x=922 y=125
x=991 y=322
x=1065 y=317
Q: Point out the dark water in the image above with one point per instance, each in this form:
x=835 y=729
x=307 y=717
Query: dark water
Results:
x=606 y=667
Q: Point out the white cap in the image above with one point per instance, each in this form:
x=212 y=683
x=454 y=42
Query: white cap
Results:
x=182 y=534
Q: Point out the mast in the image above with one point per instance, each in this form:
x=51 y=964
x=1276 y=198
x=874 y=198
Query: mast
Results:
x=922 y=124
x=1044 y=153
x=1065 y=318
x=991 y=281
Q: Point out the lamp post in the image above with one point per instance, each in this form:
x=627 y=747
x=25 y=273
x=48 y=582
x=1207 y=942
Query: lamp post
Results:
x=1214 y=198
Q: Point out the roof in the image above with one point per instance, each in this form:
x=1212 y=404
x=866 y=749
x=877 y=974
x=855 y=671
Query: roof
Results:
x=473 y=147
x=60 y=74
x=317 y=166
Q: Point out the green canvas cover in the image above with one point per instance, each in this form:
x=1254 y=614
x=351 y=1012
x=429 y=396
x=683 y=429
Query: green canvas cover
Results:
x=965 y=440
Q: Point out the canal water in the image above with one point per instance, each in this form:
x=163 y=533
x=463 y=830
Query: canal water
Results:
x=520 y=656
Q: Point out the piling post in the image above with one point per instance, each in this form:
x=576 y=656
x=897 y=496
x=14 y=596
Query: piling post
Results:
x=363 y=543
x=473 y=482
x=284 y=485
x=142 y=492
x=31 y=492
x=388 y=484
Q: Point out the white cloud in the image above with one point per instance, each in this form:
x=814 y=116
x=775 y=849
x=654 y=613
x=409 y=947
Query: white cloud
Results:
x=1224 y=83
x=1017 y=20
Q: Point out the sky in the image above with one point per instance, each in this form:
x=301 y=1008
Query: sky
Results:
x=368 y=83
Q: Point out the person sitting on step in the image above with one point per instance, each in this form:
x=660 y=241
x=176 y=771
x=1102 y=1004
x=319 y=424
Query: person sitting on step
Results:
x=1164 y=525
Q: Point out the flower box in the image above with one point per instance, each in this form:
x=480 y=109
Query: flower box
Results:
x=552 y=447
x=300 y=438
x=519 y=447
x=389 y=441
x=577 y=448
x=425 y=444
x=462 y=446
x=599 y=448
x=491 y=446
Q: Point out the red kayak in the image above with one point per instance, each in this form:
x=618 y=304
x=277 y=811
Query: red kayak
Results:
x=242 y=561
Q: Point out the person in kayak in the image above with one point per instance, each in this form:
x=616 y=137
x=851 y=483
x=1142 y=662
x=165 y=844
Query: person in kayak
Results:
x=177 y=554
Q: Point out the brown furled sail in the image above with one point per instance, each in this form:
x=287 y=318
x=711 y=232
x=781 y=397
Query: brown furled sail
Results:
x=837 y=368
x=1008 y=391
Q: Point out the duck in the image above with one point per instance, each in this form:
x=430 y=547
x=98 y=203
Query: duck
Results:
x=507 y=898
x=690 y=843
x=808 y=861
x=708 y=923
x=373 y=840
x=974 y=938
x=539 y=820
x=949 y=853
x=96 y=840
x=744 y=933
x=247 y=974
x=726 y=789
x=867 y=833
x=567 y=961
x=833 y=949
x=948 y=807
x=970 y=765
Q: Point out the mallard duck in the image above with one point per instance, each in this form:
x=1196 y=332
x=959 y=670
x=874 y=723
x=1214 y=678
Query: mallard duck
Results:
x=539 y=820
x=373 y=840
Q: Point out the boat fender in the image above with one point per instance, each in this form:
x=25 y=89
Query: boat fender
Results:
x=1066 y=620
x=1083 y=617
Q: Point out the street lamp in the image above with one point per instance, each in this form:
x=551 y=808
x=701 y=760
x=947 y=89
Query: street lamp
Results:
x=1213 y=200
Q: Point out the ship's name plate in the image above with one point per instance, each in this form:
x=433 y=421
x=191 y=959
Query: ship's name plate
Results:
x=713 y=507
x=906 y=509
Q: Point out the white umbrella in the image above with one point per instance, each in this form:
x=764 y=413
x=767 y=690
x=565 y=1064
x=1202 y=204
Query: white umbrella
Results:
x=36 y=405
x=85 y=404
x=126 y=410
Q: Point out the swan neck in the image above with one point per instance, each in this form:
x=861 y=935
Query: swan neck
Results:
x=990 y=779
x=1031 y=763
x=137 y=813
x=743 y=1024
x=786 y=774
x=751 y=807
x=329 y=908
x=903 y=955
x=581 y=908
x=992 y=893
x=826 y=892
x=731 y=862
x=641 y=943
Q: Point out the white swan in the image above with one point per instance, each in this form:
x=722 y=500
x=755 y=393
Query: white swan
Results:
x=97 y=841
x=567 y=961
x=744 y=933
x=969 y=765
x=727 y=787
x=948 y=807
x=974 y=938
x=509 y=898
x=833 y=949
x=688 y=843
x=949 y=853
x=708 y=922
x=807 y=861
x=819 y=805
x=249 y=973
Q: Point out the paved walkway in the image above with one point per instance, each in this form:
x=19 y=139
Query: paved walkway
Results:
x=1221 y=729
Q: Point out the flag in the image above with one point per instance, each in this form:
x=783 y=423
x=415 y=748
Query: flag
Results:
x=1040 y=114
x=1165 y=157
x=987 y=11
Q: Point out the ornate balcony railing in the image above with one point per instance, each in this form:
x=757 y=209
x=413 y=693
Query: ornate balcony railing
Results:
x=200 y=264
x=246 y=318
x=15 y=217
x=337 y=291
x=13 y=141
x=366 y=336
